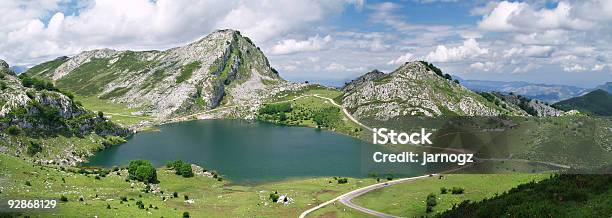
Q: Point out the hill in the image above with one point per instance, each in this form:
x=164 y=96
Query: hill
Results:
x=598 y=102
x=544 y=92
x=416 y=88
x=566 y=195
x=34 y=115
x=221 y=69
x=606 y=87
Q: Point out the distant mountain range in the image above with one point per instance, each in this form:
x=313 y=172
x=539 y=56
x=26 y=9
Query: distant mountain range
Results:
x=598 y=102
x=545 y=92
x=606 y=87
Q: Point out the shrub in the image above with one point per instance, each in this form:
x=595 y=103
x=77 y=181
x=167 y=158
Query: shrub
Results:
x=175 y=194
x=274 y=197
x=185 y=214
x=430 y=202
x=342 y=180
x=63 y=199
x=443 y=190
x=34 y=148
x=28 y=183
x=13 y=130
x=272 y=109
x=180 y=168
x=457 y=190
x=143 y=171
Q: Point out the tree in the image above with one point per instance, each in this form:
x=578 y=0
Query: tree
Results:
x=430 y=202
x=274 y=197
x=34 y=148
x=185 y=214
x=185 y=170
x=100 y=114
x=143 y=171
x=13 y=130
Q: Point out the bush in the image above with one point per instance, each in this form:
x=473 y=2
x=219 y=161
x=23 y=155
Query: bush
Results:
x=185 y=214
x=63 y=199
x=457 y=190
x=175 y=194
x=443 y=190
x=342 y=180
x=430 y=202
x=274 y=197
x=180 y=168
x=28 y=183
x=13 y=130
x=272 y=109
x=34 y=148
x=143 y=171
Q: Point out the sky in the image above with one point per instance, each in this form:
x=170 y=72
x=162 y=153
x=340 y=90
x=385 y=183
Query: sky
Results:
x=334 y=41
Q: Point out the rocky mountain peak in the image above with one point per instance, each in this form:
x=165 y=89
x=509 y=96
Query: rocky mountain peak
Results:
x=3 y=65
x=222 y=68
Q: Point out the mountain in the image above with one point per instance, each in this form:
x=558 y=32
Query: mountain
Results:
x=416 y=88
x=544 y=92
x=598 y=102
x=533 y=107
x=38 y=108
x=606 y=87
x=223 y=68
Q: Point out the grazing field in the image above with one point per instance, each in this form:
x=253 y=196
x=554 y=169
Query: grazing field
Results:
x=118 y=113
x=212 y=198
x=408 y=199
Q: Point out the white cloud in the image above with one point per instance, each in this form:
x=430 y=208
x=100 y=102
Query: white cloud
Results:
x=530 y=51
x=525 y=68
x=336 y=67
x=520 y=16
x=290 y=46
x=145 y=24
x=598 y=67
x=402 y=59
x=486 y=66
x=469 y=49
x=574 y=68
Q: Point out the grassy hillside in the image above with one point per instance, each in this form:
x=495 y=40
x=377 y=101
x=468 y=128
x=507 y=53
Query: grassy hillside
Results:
x=564 y=195
x=211 y=198
x=407 y=200
x=598 y=102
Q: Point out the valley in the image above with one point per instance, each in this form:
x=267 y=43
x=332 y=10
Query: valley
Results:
x=70 y=127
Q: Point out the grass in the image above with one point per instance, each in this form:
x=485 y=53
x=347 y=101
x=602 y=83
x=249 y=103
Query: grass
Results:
x=211 y=197
x=89 y=78
x=45 y=69
x=408 y=199
x=305 y=109
x=118 y=113
x=187 y=71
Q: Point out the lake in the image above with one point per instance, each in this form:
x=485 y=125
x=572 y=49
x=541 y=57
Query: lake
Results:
x=250 y=152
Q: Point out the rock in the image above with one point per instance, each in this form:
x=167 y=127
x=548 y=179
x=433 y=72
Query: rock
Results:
x=413 y=89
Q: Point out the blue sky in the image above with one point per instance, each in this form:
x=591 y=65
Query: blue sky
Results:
x=558 y=42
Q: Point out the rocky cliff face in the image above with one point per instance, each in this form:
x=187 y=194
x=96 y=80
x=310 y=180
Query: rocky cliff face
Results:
x=221 y=69
x=530 y=106
x=414 y=89
x=42 y=110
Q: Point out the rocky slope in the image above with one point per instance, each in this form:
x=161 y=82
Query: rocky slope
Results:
x=415 y=89
x=533 y=107
x=545 y=92
x=221 y=69
x=39 y=109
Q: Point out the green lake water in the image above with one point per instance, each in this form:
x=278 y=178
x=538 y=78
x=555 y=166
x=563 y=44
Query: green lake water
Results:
x=254 y=152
